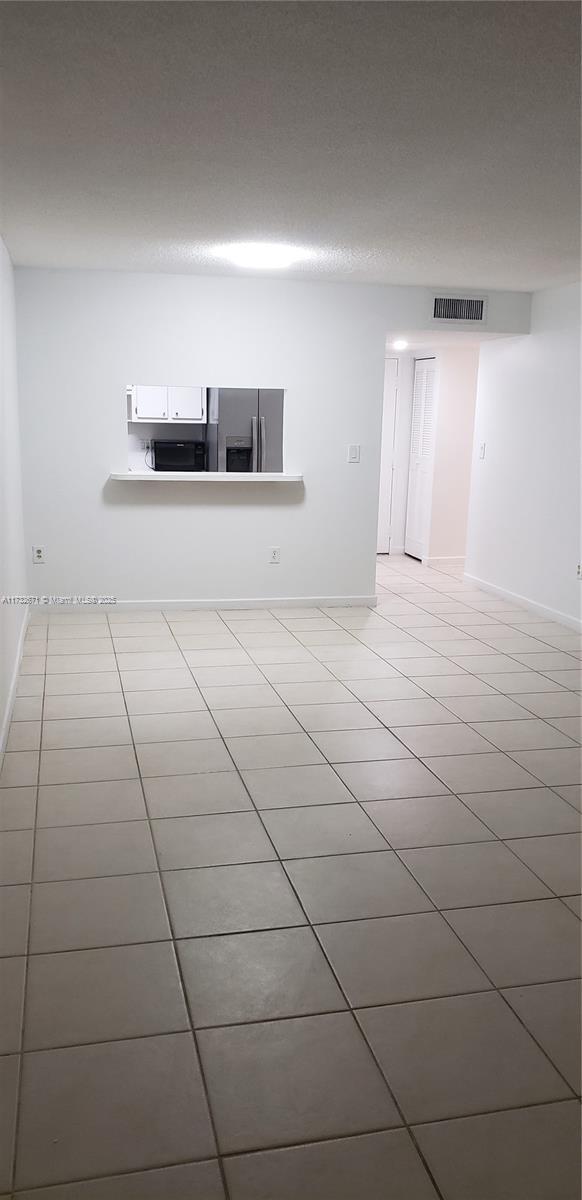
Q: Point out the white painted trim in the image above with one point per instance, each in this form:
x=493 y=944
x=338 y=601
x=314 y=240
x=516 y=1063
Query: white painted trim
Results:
x=387 y=454
x=549 y=614
x=456 y=560
x=204 y=477
x=260 y=602
x=7 y=714
x=432 y=357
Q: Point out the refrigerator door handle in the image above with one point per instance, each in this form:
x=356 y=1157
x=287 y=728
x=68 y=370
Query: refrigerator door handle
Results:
x=255 y=445
x=263 y=443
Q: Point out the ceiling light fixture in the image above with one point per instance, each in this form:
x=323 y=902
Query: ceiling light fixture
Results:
x=262 y=256
x=400 y=344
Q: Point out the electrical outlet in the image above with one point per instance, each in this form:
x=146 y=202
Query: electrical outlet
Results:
x=579 y=571
x=482 y=449
x=275 y=554
x=38 y=554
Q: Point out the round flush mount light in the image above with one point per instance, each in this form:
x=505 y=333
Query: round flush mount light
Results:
x=400 y=344
x=262 y=256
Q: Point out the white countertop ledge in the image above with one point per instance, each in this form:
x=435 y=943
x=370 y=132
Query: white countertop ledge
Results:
x=248 y=477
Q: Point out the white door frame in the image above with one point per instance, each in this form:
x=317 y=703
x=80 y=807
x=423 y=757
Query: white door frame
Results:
x=422 y=548
x=387 y=451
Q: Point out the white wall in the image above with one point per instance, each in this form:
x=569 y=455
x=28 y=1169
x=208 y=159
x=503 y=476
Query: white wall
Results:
x=524 y=524
x=12 y=564
x=84 y=335
x=457 y=368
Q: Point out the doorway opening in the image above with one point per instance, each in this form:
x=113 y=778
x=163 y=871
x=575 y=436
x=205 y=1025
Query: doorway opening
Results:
x=427 y=448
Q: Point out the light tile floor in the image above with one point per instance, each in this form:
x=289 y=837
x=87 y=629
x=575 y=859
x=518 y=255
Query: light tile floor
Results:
x=289 y=903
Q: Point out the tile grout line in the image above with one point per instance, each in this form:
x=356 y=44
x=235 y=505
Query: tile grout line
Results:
x=466 y=724
x=349 y=1009
x=406 y=1001
x=458 y=938
x=343 y=993
x=546 y=1056
x=233 y=1154
x=494 y=986
x=310 y=926
x=27 y=953
x=41 y=883
x=185 y=996
x=259 y=811
x=280 y=808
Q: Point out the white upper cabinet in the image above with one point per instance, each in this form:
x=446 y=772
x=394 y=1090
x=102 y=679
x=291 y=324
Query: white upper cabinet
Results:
x=149 y=403
x=154 y=403
x=186 y=403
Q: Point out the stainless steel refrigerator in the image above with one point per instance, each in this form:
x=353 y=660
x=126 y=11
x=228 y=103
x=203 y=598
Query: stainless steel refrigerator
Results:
x=245 y=429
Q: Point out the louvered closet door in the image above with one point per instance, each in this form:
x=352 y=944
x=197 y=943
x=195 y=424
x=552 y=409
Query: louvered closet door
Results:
x=421 y=458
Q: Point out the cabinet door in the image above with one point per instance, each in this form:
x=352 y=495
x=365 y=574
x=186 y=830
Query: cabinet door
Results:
x=186 y=403
x=150 y=403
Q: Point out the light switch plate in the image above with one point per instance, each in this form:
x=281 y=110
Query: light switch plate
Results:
x=353 y=453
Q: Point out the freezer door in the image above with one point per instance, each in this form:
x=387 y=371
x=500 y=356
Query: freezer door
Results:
x=271 y=429
x=212 y=429
x=238 y=410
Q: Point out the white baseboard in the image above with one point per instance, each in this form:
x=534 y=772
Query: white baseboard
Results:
x=455 y=560
x=220 y=602
x=549 y=614
x=7 y=714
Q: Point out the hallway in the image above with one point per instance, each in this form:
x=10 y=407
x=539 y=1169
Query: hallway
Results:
x=305 y=901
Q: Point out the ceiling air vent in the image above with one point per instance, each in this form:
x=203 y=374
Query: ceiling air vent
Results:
x=458 y=308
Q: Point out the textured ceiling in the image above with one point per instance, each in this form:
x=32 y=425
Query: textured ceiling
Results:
x=408 y=142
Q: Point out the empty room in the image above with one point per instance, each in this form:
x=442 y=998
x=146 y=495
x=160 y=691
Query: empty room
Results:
x=290 y=600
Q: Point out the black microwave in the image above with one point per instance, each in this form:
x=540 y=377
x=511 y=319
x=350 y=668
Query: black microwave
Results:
x=179 y=456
